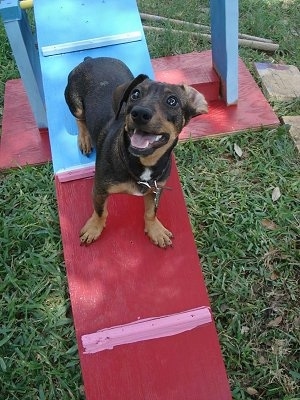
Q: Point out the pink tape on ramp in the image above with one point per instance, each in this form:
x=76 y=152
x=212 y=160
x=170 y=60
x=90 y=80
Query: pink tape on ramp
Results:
x=145 y=329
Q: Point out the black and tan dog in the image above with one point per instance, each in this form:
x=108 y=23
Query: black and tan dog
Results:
x=134 y=124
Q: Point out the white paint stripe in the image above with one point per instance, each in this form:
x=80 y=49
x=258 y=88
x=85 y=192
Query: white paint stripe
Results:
x=91 y=43
x=145 y=329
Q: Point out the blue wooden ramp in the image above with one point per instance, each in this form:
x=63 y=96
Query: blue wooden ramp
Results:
x=67 y=32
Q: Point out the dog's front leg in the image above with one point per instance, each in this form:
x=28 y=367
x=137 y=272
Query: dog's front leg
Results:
x=96 y=223
x=157 y=233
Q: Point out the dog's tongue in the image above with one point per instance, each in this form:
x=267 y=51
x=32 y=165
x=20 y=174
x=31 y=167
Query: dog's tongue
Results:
x=142 y=140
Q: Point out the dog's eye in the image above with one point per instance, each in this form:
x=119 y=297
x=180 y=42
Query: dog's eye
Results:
x=135 y=94
x=172 y=101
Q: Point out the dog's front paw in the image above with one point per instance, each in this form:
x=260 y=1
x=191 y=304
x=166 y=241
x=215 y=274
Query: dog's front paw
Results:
x=158 y=234
x=92 y=230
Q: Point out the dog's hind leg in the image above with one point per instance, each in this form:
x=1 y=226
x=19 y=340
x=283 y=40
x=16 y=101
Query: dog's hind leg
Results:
x=157 y=233
x=75 y=103
x=84 y=137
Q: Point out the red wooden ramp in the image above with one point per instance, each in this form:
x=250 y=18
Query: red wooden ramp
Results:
x=22 y=142
x=252 y=110
x=123 y=279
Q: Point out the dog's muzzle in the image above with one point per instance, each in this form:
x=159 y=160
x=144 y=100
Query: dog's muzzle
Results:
x=144 y=143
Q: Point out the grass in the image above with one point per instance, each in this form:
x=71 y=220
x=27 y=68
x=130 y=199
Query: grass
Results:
x=248 y=243
x=38 y=350
x=249 y=249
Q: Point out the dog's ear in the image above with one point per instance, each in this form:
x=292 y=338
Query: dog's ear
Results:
x=196 y=103
x=122 y=92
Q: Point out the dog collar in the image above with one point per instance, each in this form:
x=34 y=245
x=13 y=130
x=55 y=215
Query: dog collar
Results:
x=155 y=189
x=151 y=185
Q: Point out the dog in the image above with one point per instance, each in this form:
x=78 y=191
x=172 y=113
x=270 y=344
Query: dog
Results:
x=133 y=123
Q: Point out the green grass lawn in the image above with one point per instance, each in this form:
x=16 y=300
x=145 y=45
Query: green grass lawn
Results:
x=248 y=242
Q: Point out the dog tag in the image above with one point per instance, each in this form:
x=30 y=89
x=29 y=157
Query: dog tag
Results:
x=157 y=193
x=156 y=190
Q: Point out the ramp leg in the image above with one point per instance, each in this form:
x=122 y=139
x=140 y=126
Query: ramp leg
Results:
x=224 y=36
x=26 y=55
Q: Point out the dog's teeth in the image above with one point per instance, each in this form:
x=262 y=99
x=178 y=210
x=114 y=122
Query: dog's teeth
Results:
x=158 y=137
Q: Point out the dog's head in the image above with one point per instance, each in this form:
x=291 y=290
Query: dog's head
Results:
x=155 y=113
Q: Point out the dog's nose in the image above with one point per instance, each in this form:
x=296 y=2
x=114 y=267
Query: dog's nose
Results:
x=141 y=115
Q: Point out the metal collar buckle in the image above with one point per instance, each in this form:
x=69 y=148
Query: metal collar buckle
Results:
x=156 y=190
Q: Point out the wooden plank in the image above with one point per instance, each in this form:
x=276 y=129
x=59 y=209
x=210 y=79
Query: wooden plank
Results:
x=92 y=43
x=21 y=142
x=224 y=38
x=279 y=82
x=121 y=278
x=294 y=122
x=194 y=69
x=252 y=111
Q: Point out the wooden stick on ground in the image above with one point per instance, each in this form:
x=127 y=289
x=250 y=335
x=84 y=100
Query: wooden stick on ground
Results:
x=254 y=44
x=157 y=18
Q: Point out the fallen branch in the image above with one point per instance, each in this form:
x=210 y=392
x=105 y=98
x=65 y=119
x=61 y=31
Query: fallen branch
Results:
x=254 y=44
x=157 y=18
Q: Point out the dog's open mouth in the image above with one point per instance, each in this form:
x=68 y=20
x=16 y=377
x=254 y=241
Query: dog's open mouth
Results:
x=145 y=142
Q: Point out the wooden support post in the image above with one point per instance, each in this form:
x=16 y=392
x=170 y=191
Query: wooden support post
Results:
x=26 y=55
x=224 y=34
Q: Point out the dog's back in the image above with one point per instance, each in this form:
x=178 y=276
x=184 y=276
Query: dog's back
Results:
x=90 y=88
